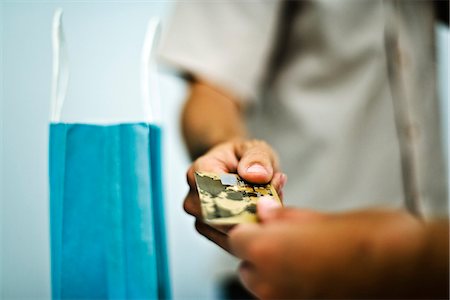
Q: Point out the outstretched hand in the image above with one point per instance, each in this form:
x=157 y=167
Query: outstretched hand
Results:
x=296 y=254
x=255 y=161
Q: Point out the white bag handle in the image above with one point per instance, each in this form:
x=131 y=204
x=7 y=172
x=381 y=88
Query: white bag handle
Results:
x=149 y=84
x=149 y=80
x=60 y=74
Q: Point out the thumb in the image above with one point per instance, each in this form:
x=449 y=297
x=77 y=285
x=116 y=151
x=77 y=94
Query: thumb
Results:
x=257 y=162
x=266 y=208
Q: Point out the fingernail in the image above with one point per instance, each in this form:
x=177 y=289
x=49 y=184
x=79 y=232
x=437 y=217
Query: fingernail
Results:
x=266 y=205
x=256 y=168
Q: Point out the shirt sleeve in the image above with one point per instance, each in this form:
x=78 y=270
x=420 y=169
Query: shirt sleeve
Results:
x=227 y=43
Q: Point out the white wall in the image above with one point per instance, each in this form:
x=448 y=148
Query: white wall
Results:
x=104 y=41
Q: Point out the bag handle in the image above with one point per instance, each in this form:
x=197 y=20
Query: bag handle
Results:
x=149 y=79
x=149 y=84
x=60 y=73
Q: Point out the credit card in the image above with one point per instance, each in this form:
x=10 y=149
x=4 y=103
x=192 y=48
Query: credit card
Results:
x=226 y=199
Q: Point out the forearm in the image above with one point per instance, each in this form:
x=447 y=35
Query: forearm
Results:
x=435 y=263
x=210 y=117
x=417 y=264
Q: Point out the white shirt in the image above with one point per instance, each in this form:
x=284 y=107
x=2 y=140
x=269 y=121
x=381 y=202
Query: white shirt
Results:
x=345 y=91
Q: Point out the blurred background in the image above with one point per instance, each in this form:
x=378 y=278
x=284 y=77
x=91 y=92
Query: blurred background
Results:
x=104 y=41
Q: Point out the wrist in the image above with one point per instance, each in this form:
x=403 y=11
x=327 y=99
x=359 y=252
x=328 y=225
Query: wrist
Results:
x=213 y=140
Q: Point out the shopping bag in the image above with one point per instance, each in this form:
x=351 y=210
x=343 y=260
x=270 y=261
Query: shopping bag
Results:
x=108 y=237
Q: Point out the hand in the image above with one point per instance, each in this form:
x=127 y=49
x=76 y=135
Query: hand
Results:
x=253 y=160
x=297 y=253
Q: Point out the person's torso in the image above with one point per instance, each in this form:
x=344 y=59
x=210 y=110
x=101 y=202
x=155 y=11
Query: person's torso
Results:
x=328 y=108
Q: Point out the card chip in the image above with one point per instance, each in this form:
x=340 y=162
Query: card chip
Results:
x=228 y=179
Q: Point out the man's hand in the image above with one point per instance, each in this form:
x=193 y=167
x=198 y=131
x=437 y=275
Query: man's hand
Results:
x=298 y=253
x=253 y=160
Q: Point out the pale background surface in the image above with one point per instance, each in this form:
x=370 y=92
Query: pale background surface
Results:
x=105 y=41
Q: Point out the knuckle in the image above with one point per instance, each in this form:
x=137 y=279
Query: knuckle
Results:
x=186 y=206
x=198 y=164
x=189 y=206
x=190 y=177
x=260 y=150
x=188 y=174
x=199 y=226
x=203 y=162
x=259 y=144
x=256 y=156
x=256 y=142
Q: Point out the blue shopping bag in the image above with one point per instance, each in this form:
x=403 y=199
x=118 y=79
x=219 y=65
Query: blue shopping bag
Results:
x=108 y=237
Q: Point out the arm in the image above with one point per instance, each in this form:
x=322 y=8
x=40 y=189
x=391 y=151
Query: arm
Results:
x=210 y=117
x=215 y=136
x=366 y=254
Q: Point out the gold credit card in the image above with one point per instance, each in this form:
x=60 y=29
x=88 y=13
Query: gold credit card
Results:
x=227 y=199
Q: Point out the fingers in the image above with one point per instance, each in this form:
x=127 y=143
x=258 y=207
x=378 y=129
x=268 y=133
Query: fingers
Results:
x=248 y=276
x=255 y=161
x=241 y=238
x=265 y=207
x=218 y=236
x=214 y=235
x=190 y=178
x=260 y=251
x=220 y=159
x=278 y=182
x=191 y=204
x=258 y=162
x=256 y=281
